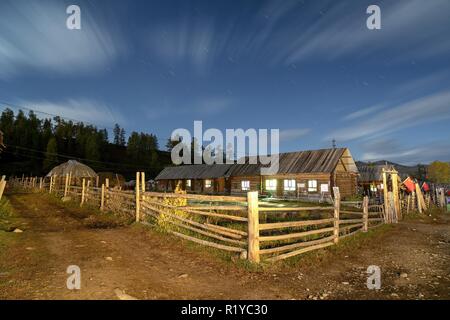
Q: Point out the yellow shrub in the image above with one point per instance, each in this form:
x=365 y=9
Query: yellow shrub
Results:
x=164 y=220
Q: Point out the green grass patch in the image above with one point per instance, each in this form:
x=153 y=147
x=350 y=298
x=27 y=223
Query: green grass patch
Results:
x=7 y=215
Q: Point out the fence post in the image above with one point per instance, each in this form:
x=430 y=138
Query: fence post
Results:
x=253 y=227
x=66 y=185
x=365 y=214
x=419 y=203
x=2 y=185
x=137 y=197
x=40 y=183
x=82 y=191
x=337 y=208
x=88 y=187
x=385 y=193
x=394 y=179
x=102 y=199
x=50 y=186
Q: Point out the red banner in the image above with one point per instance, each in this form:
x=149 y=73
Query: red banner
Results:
x=409 y=184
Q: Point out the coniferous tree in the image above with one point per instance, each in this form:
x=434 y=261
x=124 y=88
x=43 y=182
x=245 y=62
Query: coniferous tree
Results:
x=51 y=159
x=116 y=132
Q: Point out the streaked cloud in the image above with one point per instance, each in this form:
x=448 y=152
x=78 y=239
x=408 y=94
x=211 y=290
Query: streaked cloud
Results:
x=414 y=28
x=363 y=112
x=34 y=37
x=430 y=81
x=86 y=110
x=279 y=33
x=428 y=109
x=192 y=42
x=388 y=149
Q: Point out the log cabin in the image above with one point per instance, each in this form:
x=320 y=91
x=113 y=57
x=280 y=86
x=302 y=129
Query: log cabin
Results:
x=302 y=174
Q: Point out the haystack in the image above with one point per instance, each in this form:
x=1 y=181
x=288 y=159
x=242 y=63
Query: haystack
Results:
x=74 y=168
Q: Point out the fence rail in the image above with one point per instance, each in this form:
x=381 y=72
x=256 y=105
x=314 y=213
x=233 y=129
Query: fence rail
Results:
x=243 y=225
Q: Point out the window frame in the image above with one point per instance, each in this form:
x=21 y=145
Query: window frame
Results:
x=247 y=183
x=289 y=185
x=208 y=181
x=314 y=187
x=271 y=188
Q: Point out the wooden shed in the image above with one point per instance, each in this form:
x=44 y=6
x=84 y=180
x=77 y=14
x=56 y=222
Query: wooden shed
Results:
x=301 y=174
x=370 y=178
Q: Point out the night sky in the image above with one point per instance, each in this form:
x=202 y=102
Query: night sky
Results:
x=310 y=68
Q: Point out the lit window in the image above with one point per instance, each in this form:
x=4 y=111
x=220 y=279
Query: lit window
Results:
x=312 y=186
x=271 y=184
x=245 y=185
x=188 y=183
x=289 y=185
x=208 y=183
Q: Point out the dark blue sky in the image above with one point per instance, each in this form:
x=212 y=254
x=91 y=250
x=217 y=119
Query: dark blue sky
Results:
x=310 y=68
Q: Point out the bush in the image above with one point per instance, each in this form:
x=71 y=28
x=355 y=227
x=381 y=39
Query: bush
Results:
x=164 y=220
x=5 y=208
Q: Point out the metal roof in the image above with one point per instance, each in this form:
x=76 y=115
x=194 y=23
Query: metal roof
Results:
x=311 y=161
x=197 y=171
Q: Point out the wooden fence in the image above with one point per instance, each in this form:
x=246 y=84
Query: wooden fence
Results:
x=254 y=229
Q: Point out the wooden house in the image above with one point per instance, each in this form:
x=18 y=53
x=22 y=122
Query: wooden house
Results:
x=370 y=178
x=301 y=174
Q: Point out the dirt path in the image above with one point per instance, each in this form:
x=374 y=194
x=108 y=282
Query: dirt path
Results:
x=414 y=258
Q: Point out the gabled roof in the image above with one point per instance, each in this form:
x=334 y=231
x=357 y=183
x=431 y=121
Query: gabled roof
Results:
x=311 y=161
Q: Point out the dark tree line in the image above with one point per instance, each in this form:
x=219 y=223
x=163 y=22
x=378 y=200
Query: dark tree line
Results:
x=34 y=146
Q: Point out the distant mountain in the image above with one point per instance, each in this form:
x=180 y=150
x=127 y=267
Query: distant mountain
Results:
x=417 y=171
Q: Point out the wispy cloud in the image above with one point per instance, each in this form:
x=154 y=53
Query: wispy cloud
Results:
x=34 y=37
x=387 y=149
x=433 y=80
x=199 y=41
x=363 y=112
x=428 y=109
x=415 y=28
x=280 y=32
x=86 y=110
x=293 y=134
x=190 y=42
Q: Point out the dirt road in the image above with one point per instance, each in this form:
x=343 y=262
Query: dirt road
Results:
x=414 y=258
